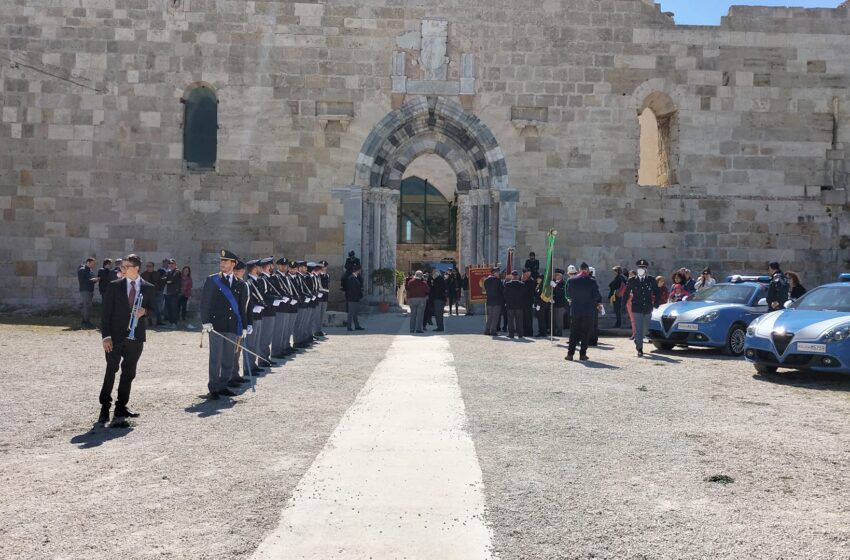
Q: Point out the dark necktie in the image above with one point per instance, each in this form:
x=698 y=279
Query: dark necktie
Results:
x=132 y=297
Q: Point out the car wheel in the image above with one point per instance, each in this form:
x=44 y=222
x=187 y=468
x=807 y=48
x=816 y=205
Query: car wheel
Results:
x=761 y=368
x=663 y=345
x=735 y=341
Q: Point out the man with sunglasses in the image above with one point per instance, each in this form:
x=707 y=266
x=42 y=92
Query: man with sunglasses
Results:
x=123 y=352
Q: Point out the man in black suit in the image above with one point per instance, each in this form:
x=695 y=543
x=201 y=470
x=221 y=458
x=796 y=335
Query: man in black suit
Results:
x=585 y=301
x=528 y=303
x=559 y=297
x=122 y=351
x=224 y=305
x=353 y=295
x=495 y=300
x=515 y=299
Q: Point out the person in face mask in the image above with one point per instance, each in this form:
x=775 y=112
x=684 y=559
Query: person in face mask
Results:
x=645 y=297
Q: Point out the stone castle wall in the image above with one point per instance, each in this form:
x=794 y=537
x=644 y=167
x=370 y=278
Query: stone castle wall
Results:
x=92 y=140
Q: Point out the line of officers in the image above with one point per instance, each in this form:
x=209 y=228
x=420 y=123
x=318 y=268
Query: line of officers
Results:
x=274 y=307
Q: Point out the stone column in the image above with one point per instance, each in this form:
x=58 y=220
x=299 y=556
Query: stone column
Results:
x=381 y=233
x=507 y=201
x=466 y=231
x=352 y=219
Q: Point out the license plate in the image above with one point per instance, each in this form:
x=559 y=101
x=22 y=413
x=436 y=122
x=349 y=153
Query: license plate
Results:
x=688 y=327
x=803 y=347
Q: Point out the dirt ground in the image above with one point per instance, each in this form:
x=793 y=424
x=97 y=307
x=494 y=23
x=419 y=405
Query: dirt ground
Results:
x=609 y=459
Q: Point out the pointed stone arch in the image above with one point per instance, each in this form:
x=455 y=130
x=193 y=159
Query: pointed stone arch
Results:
x=430 y=125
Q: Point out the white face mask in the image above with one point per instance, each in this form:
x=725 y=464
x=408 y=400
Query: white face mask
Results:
x=641 y=272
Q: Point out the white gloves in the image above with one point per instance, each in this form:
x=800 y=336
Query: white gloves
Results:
x=250 y=329
x=244 y=333
x=553 y=283
x=207 y=327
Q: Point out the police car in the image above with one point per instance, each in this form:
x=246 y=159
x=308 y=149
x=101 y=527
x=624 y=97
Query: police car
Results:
x=716 y=317
x=811 y=333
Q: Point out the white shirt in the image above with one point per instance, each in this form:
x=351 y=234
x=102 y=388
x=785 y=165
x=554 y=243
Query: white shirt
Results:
x=137 y=282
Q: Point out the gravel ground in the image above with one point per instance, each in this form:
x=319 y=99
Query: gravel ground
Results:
x=190 y=480
x=609 y=459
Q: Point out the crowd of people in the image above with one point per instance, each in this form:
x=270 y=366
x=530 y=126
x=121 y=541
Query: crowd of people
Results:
x=257 y=313
x=173 y=289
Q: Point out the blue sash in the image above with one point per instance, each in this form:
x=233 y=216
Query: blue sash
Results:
x=231 y=299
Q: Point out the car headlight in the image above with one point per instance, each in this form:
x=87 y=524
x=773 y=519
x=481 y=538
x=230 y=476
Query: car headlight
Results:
x=707 y=318
x=751 y=330
x=837 y=334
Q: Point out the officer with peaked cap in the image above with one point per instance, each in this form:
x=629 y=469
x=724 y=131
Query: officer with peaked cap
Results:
x=301 y=334
x=223 y=301
x=239 y=359
x=585 y=301
x=285 y=316
x=276 y=277
x=270 y=295
x=291 y=308
x=645 y=297
x=325 y=290
x=256 y=307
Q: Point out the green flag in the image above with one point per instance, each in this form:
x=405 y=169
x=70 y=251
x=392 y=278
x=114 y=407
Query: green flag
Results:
x=547 y=278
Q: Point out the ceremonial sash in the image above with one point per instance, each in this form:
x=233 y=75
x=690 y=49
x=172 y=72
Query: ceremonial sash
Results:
x=231 y=299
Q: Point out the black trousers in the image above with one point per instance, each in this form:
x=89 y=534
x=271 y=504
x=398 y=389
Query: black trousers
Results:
x=429 y=313
x=183 y=304
x=543 y=320
x=172 y=306
x=514 y=322
x=618 y=312
x=439 y=306
x=503 y=319
x=527 y=322
x=580 y=333
x=124 y=356
x=594 y=331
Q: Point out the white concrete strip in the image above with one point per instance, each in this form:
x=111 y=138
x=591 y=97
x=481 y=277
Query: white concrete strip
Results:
x=399 y=477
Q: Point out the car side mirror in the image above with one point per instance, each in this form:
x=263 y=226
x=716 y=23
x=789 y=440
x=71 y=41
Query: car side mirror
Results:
x=787 y=304
x=762 y=302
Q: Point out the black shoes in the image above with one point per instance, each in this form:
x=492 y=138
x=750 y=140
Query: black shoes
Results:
x=569 y=357
x=359 y=329
x=125 y=413
x=212 y=396
x=640 y=353
x=235 y=384
x=227 y=393
x=583 y=358
x=104 y=415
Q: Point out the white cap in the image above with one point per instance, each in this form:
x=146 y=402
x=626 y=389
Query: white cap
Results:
x=572 y=269
x=592 y=271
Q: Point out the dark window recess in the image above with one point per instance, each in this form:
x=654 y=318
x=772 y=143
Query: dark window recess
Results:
x=425 y=217
x=200 y=128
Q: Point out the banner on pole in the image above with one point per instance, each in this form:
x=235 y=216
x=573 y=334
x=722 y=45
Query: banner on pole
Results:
x=476 y=276
x=547 y=278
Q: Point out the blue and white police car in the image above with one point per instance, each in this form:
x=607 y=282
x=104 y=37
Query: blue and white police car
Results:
x=811 y=333
x=716 y=317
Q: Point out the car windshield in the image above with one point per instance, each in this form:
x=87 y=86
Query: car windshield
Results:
x=825 y=298
x=724 y=293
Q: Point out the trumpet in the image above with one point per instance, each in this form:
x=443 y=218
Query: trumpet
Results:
x=134 y=320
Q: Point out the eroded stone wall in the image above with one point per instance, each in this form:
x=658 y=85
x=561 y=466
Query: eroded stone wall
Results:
x=91 y=128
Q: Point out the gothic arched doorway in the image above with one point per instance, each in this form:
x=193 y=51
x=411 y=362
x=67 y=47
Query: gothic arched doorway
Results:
x=486 y=207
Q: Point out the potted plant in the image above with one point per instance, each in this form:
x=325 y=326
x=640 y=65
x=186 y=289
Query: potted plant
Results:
x=385 y=279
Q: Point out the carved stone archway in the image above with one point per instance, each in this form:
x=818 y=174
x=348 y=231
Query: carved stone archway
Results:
x=430 y=125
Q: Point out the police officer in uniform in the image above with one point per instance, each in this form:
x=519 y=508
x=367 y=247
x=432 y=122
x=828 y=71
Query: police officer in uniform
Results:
x=324 y=294
x=291 y=310
x=585 y=301
x=276 y=278
x=270 y=295
x=223 y=299
x=645 y=297
x=256 y=306
x=239 y=359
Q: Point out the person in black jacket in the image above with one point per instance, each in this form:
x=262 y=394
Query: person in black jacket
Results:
x=777 y=290
x=353 y=295
x=541 y=309
x=559 y=296
x=438 y=297
x=453 y=284
x=645 y=297
x=615 y=290
x=585 y=302
x=103 y=277
x=495 y=299
x=515 y=298
x=532 y=265
x=122 y=351
x=528 y=303
x=224 y=302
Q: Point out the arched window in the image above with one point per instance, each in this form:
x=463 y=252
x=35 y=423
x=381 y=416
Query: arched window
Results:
x=657 y=119
x=425 y=217
x=200 y=128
